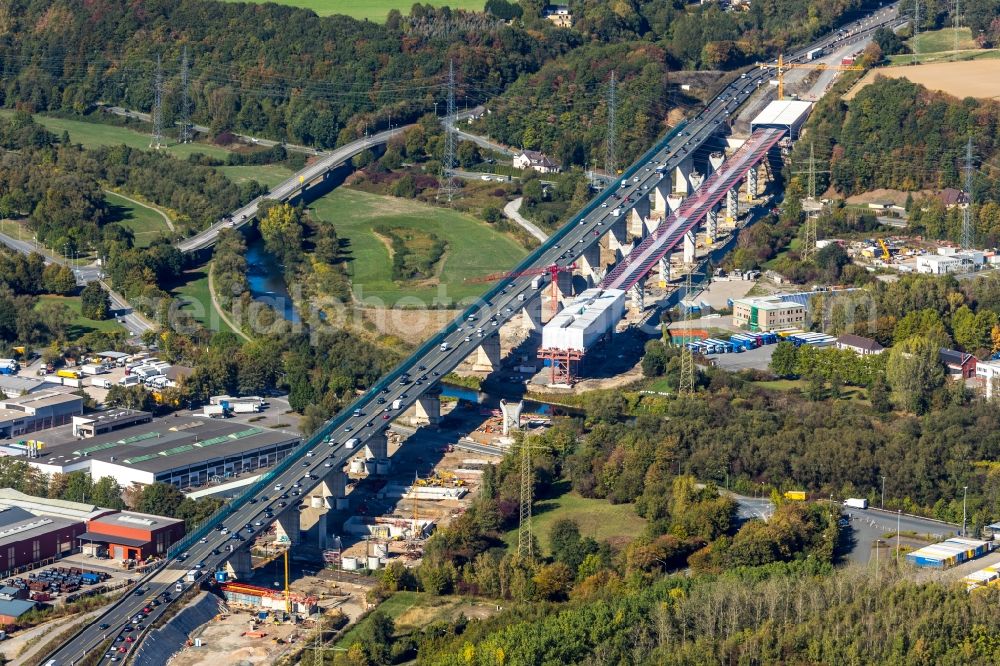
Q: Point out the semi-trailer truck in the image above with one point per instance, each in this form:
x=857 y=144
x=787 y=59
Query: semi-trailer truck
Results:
x=856 y=503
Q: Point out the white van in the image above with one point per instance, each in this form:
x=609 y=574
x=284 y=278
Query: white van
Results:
x=100 y=382
x=130 y=380
x=351 y=443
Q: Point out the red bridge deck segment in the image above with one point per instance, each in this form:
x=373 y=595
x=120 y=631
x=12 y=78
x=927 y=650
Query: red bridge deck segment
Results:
x=692 y=210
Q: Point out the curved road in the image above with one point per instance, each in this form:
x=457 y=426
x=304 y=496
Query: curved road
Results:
x=370 y=414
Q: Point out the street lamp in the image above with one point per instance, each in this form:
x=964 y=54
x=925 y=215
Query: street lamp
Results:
x=882 y=505
x=965 y=495
x=899 y=512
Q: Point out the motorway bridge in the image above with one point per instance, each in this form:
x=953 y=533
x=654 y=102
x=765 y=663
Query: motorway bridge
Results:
x=315 y=469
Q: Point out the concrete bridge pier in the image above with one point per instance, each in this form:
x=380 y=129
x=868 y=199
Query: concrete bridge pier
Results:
x=682 y=173
x=636 y=217
x=658 y=196
x=689 y=247
x=378 y=446
x=428 y=407
x=732 y=206
x=752 y=183
x=696 y=179
x=664 y=267
x=238 y=565
x=590 y=263
x=488 y=353
x=674 y=202
x=286 y=527
x=715 y=160
x=638 y=296
x=531 y=313
x=712 y=225
x=618 y=236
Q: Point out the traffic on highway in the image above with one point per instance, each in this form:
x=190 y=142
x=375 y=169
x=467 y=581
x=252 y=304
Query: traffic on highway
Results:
x=120 y=629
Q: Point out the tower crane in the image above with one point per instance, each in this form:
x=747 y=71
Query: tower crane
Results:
x=553 y=272
x=783 y=66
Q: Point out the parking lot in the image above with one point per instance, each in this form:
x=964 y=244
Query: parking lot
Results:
x=754 y=359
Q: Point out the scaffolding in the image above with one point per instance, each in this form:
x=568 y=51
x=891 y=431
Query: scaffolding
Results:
x=564 y=363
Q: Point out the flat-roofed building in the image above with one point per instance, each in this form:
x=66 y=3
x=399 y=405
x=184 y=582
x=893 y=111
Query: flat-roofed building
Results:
x=37 y=540
x=128 y=535
x=92 y=425
x=767 y=313
x=38 y=411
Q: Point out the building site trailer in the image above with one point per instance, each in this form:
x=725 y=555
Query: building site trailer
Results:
x=949 y=553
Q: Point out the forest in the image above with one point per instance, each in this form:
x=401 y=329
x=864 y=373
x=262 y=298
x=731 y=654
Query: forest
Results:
x=261 y=69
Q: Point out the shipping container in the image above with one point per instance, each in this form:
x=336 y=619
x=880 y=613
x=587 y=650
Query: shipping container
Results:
x=795 y=495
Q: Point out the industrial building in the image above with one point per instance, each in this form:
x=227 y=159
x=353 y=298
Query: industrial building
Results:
x=11 y=499
x=988 y=372
x=187 y=452
x=860 y=345
x=127 y=535
x=767 y=313
x=28 y=543
x=15 y=386
x=11 y=610
x=948 y=553
x=103 y=422
x=37 y=411
x=787 y=114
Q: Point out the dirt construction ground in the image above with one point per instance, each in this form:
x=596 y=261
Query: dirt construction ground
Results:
x=974 y=78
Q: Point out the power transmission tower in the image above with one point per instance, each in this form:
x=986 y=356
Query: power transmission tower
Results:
x=610 y=149
x=916 y=28
x=812 y=208
x=954 y=24
x=157 y=139
x=185 y=101
x=967 y=211
x=685 y=383
x=448 y=186
x=525 y=550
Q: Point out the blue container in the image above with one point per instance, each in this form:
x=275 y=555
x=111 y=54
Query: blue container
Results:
x=221 y=576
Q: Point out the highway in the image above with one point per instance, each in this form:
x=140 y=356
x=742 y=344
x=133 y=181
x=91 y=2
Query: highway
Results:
x=370 y=414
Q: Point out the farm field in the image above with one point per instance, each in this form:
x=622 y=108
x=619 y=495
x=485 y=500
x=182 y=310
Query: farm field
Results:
x=372 y=10
x=145 y=222
x=970 y=78
x=597 y=518
x=474 y=248
x=91 y=135
x=936 y=41
x=80 y=325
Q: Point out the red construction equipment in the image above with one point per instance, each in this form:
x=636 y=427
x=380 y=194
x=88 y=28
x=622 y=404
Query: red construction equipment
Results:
x=553 y=272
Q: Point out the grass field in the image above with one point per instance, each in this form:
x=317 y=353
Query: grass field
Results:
x=373 y=10
x=936 y=41
x=394 y=606
x=597 y=518
x=416 y=610
x=97 y=134
x=145 y=222
x=473 y=247
x=80 y=325
x=265 y=174
x=193 y=286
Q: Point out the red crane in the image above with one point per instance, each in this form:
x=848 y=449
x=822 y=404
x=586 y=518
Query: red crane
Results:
x=553 y=272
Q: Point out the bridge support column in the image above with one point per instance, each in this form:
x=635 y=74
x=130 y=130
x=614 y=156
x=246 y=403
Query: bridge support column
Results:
x=752 y=183
x=681 y=174
x=637 y=292
x=511 y=415
x=696 y=180
x=732 y=206
x=286 y=527
x=664 y=266
x=428 y=408
x=564 y=286
x=659 y=196
x=712 y=225
x=332 y=488
x=715 y=161
x=488 y=354
x=531 y=313
x=239 y=565
x=674 y=202
x=378 y=446
x=617 y=236
x=689 y=247
x=590 y=263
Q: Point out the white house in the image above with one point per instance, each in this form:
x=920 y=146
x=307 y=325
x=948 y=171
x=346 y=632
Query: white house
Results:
x=859 y=345
x=532 y=159
x=989 y=372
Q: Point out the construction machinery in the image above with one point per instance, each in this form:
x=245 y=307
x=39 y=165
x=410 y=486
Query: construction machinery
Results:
x=886 y=257
x=818 y=66
x=552 y=271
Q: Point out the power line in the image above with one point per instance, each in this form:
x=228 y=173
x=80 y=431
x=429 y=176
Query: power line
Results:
x=525 y=548
x=185 y=104
x=967 y=231
x=610 y=149
x=157 y=139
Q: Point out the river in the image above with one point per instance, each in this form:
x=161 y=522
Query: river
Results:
x=266 y=278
